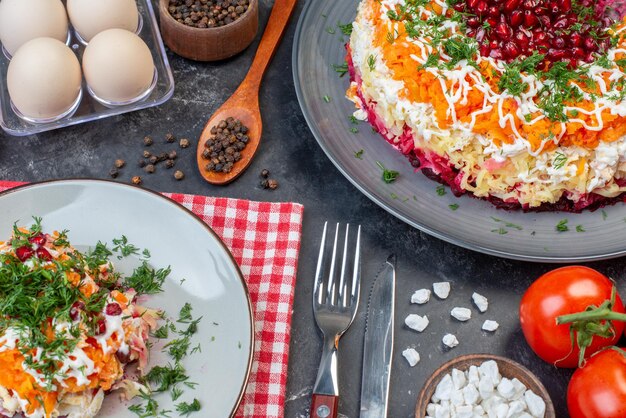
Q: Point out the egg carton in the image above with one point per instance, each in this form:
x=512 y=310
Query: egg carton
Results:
x=88 y=107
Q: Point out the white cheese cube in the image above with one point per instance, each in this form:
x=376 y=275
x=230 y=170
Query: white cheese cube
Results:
x=520 y=388
x=535 y=403
x=416 y=322
x=470 y=395
x=464 y=411
x=461 y=314
x=472 y=375
x=444 y=388
x=481 y=302
x=412 y=356
x=490 y=325
x=458 y=379
x=478 y=410
x=502 y=410
x=450 y=340
x=506 y=388
x=430 y=409
x=442 y=411
x=490 y=404
x=525 y=415
x=456 y=398
x=421 y=296
x=490 y=368
x=485 y=387
x=515 y=409
x=442 y=289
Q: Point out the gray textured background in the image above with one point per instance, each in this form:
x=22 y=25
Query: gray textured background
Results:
x=306 y=176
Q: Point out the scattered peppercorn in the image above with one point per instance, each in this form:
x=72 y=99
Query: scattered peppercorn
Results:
x=141 y=163
x=223 y=149
x=114 y=173
x=136 y=180
x=163 y=156
x=149 y=168
x=207 y=13
x=119 y=163
x=170 y=138
x=147 y=154
x=172 y=155
x=265 y=173
x=184 y=143
x=169 y=163
x=154 y=159
x=272 y=184
x=147 y=141
x=265 y=184
x=179 y=175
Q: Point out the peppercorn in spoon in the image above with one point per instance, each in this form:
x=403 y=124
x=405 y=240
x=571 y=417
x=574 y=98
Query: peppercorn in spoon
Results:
x=243 y=106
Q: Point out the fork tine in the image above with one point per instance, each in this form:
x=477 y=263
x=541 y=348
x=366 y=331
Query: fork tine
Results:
x=332 y=285
x=343 y=300
x=356 y=274
x=319 y=274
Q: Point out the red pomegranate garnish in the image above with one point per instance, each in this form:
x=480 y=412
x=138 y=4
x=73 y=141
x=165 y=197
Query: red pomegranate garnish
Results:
x=511 y=29
x=113 y=309
x=39 y=239
x=43 y=254
x=92 y=342
x=101 y=327
x=24 y=253
x=76 y=309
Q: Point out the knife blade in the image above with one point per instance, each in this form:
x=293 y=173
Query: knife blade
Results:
x=378 y=343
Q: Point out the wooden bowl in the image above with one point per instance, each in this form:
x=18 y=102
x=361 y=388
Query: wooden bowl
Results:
x=508 y=368
x=209 y=44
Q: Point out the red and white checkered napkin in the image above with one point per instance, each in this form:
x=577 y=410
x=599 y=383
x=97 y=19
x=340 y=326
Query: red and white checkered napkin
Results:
x=264 y=238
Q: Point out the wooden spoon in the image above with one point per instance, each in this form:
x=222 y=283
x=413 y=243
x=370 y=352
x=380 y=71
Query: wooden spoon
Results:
x=244 y=103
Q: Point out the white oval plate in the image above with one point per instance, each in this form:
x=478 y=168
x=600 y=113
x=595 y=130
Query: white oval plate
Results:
x=97 y=210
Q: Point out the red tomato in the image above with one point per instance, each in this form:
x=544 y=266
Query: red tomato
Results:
x=563 y=291
x=598 y=389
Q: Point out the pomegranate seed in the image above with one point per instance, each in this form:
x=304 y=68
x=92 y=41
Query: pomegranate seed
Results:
x=496 y=54
x=472 y=4
x=92 y=342
x=590 y=44
x=558 y=43
x=530 y=19
x=516 y=18
x=75 y=310
x=484 y=50
x=473 y=22
x=540 y=37
x=539 y=11
x=39 y=239
x=511 y=50
x=545 y=22
x=481 y=8
x=556 y=54
x=578 y=53
x=566 y=5
x=471 y=33
x=521 y=39
x=562 y=23
x=494 y=44
x=459 y=7
x=590 y=57
x=576 y=39
x=494 y=11
x=492 y=21
x=480 y=34
x=43 y=254
x=101 y=327
x=503 y=31
x=530 y=4
x=113 y=309
x=24 y=253
x=511 y=5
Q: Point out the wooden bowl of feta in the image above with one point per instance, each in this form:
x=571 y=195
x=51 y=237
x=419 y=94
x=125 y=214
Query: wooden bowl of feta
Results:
x=484 y=385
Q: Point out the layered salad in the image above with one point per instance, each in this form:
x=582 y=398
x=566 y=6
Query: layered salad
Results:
x=520 y=102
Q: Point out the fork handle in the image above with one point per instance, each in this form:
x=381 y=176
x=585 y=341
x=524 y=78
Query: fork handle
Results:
x=324 y=406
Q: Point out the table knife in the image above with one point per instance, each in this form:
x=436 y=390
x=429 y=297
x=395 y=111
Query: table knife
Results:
x=378 y=343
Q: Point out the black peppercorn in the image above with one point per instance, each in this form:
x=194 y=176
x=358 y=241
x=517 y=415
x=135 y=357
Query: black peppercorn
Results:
x=147 y=154
x=265 y=173
x=119 y=163
x=149 y=168
x=179 y=175
x=184 y=143
x=169 y=163
x=141 y=163
x=136 y=180
x=153 y=160
x=114 y=173
x=272 y=184
x=170 y=138
x=147 y=141
x=172 y=155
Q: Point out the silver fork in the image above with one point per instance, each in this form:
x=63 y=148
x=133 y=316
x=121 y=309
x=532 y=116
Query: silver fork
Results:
x=335 y=302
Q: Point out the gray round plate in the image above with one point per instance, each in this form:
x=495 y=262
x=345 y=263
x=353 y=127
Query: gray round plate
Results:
x=475 y=224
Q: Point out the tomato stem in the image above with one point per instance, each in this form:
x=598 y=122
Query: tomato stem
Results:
x=593 y=315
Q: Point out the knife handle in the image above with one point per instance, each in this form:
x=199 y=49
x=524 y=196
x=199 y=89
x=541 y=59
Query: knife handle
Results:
x=324 y=406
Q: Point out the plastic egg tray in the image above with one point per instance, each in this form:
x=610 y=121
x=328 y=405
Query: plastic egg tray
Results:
x=89 y=109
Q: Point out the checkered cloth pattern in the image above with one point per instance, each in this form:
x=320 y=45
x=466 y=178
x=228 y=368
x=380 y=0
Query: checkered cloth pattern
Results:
x=264 y=238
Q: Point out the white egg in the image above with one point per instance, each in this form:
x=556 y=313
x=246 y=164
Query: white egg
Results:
x=118 y=65
x=91 y=17
x=44 y=78
x=23 y=20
